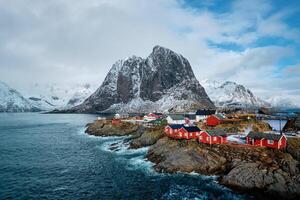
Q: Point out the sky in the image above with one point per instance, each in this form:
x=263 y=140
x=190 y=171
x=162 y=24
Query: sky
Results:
x=65 y=42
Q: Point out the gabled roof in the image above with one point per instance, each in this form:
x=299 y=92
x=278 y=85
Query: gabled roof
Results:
x=205 y=112
x=159 y=120
x=152 y=115
x=176 y=126
x=177 y=117
x=192 y=128
x=190 y=116
x=216 y=132
x=219 y=116
x=260 y=135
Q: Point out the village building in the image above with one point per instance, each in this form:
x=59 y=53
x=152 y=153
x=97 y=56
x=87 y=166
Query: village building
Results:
x=179 y=131
x=158 y=122
x=190 y=119
x=171 y=129
x=151 y=116
x=176 y=119
x=101 y=118
x=270 y=140
x=216 y=136
x=121 y=116
x=116 y=121
x=214 y=120
x=203 y=114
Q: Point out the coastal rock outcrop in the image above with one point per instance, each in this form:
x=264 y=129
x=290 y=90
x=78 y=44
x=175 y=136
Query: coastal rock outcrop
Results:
x=293 y=148
x=255 y=177
x=173 y=156
x=149 y=137
x=163 y=82
x=259 y=170
x=105 y=128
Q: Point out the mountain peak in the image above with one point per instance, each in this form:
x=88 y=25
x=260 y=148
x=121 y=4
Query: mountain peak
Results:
x=164 y=81
x=232 y=94
x=12 y=101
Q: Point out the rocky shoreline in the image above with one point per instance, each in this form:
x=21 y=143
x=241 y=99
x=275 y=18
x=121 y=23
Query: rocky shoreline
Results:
x=265 y=173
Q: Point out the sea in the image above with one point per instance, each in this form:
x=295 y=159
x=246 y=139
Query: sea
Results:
x=48 y=156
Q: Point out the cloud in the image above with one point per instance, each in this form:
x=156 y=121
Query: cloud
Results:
x=68 y=42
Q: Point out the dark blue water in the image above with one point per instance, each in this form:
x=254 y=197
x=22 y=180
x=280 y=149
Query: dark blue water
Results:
x=49 y=157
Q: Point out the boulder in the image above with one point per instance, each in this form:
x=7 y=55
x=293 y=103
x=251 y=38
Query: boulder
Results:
x=147 y=138
x=184 y=156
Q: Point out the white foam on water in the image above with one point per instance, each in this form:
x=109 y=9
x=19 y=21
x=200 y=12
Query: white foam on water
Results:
x=120 y=147
x=141 y=163
x=184 y=192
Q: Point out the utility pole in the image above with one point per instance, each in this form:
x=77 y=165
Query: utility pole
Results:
x=280 y=126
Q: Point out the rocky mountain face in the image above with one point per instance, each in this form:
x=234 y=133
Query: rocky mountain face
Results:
x=163 y=82
x=13 y=101
x=231 y=94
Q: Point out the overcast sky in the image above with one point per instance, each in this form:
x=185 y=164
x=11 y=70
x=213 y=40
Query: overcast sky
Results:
x=255 y=43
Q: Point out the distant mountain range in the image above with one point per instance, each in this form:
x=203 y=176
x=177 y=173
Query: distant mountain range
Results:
x=162 y=82
x=13 y=101
x=54 y=97
x=231 y=94
x=57 y=97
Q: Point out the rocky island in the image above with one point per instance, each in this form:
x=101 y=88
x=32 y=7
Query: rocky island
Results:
x=164 y=82
x=258 y=170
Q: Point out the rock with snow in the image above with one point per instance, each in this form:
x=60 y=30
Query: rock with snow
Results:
x=283 y=102
x=231 y=94
x=58 y=97
x=13 y=101
x=163 y=82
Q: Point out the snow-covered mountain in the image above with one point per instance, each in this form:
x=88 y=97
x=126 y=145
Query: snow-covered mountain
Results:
x=283 y=101
x=60 y=97
x=163 y=82
x=13 y=101
x=231 y=94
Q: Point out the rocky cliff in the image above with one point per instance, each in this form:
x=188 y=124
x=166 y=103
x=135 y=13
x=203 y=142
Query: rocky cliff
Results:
x=163 y=82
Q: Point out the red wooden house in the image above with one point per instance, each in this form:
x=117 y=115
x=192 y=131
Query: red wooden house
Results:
x=151 y=116
x=172 y=129
x=116 y=121
x=217 y=136
x=214 y=120
x=270 y=140
x=189 y=132
x=179 y=131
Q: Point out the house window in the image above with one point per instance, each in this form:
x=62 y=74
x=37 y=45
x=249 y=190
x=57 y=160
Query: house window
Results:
x=201 y=137
x=180 y=134
x=197 y=134
x=270 y=142
x=191 y=134
x=186 y=134
x=175 y=130
x=215 y=138
x=207 y=139
x=171 y=131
